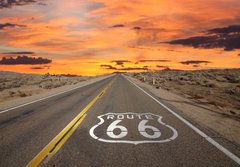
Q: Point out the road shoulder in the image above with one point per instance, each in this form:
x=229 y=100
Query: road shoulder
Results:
x=50 y=93
x=223 y=129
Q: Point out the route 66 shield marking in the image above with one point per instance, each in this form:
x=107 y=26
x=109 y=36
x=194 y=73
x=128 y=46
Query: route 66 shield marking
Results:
x=132 y=128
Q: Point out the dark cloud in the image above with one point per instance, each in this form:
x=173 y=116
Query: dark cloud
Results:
x=120 y=62
x=195 y=62
x=118 y=26
x=10 y=25
x=24 y=60
x=154 y=61
x=226 y=30
x=159 y=66
x=109 y=67
x=40 y=67
x=227 y=38
x=137 y=28
x=10 y=3
x=19 y=53
x=37 y=68
x=195 y=65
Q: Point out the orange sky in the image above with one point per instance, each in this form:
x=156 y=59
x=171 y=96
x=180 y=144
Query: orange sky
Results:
x=83 y=36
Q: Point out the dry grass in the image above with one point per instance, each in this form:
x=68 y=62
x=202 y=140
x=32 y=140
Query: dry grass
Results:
x=220 y=88
x=15 y=85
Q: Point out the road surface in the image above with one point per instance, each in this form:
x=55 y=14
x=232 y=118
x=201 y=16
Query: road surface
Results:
x=108 y=123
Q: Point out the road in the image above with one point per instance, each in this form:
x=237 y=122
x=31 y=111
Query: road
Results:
x=107 y=123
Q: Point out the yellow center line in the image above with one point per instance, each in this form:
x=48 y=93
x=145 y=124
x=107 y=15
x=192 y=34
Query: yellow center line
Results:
x=52 y=148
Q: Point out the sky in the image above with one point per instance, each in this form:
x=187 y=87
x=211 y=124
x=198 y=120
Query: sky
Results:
x=94 y=37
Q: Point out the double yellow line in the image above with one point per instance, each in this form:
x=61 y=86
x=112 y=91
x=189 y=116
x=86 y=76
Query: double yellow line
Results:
x=52 y=148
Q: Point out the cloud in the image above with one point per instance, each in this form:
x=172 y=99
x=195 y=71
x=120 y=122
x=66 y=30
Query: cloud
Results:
x=195 y=62
x=226 y=30
x=94 y=6
x=37 y=68
x=159 y=66
x=133 y=68
x=154 y=60
x=42 y=4
x=196 y=65
x=10 y=25
x=118 y=26
x=137 y=28
x=120 y=62
x=40 y=68
x=102 y=30
x=227 y=38
x=109 y=67
x=24 y=60
x=10 y=3
x=19 y=53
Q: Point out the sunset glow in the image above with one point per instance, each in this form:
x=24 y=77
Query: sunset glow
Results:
x=92 y=37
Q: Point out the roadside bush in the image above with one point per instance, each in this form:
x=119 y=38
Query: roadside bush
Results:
x=22 y=94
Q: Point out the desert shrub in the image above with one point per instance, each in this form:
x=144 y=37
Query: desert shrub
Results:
x=15 y=84
x=232 y=79
x=11 y=93
x=232 y=91
x=47 y=85
x=183 y=78
x=56 y=85
x=81 y=79
x=211 y=85
x=22 y=94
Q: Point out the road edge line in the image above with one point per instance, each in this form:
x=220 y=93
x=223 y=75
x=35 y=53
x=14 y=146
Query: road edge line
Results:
x=194 y=128
x=44 y=98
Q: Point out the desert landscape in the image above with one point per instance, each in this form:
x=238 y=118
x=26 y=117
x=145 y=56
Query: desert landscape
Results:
x=19 y=85
x=209 y=97
x=217 y=87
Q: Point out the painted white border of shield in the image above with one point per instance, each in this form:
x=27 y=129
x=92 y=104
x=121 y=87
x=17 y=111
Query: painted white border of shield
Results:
x=174 y=136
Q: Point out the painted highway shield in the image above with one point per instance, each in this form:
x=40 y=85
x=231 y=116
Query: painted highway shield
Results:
x=132 y=128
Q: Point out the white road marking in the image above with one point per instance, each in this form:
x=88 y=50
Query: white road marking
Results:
x=25 y=104
x=142 y=126
x=201 y=133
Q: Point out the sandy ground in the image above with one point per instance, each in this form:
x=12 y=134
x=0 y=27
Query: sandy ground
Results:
x=17 y=89
x=210 y=98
